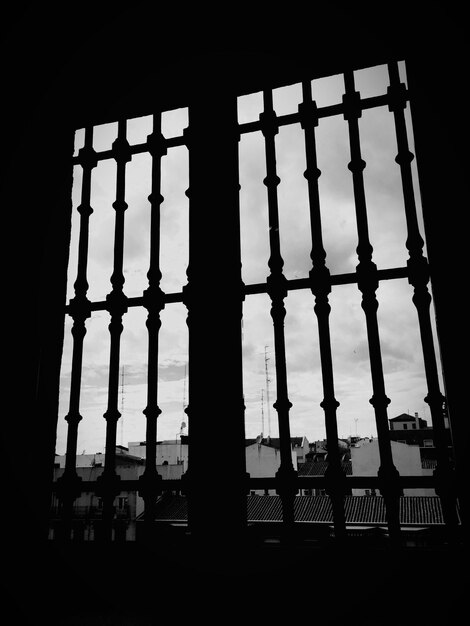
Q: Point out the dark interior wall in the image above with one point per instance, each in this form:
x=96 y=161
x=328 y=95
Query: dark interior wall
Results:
x=61 y=66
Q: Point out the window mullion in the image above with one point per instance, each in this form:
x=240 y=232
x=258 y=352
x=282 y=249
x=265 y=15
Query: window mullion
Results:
x=214 y=299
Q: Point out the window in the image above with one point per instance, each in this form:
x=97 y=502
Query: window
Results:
x=269 y=283
x=122 y=502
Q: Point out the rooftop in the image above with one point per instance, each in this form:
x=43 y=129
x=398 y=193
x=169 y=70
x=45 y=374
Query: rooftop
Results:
x=417 y=511
x=318 y=468
x=274 y=442
x=406 y=417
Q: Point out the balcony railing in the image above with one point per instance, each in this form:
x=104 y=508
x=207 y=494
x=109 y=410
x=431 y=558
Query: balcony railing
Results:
x=90 y=512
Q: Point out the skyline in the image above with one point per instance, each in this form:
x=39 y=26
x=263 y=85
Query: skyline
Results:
x=399 y=332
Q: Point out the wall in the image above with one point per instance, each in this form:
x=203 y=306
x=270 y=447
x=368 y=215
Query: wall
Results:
x=173 y=452
x=302 y=450
x=83 y=460
x=89 y=499
x=263 y=462
x=365 y=461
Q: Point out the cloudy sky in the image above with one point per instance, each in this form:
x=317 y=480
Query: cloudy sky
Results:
x=402 y=358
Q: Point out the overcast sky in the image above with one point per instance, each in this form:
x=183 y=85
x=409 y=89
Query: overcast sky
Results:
x=399 y=333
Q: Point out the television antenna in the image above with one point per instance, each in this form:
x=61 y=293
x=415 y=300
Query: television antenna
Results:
x=122 y=406
x=268 y=380
x=262 y=413
x=184 y=386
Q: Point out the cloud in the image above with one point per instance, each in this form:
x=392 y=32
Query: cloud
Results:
x=172 y=370
x=399 y=332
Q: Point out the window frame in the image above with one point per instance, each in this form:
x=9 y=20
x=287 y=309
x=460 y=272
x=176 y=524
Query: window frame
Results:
x=40 y=386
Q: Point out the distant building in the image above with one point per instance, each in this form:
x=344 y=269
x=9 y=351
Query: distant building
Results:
x=318 y=467
x=300 y=445
x=301 y=448
x=365 y=461
x=88 y=507
x=414 y=431
x=170 y=451
x=263 y=459
x=407 y=422
x=124 y=458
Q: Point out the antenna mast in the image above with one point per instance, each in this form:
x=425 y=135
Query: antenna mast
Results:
x=262 y=414
x=184 y=388
x=122 y=406
x=268 y=380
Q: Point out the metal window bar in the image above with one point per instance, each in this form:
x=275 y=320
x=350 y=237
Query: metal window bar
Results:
x=79 y=309
x=419 y=277
x=277 y=290
x=368 y=284
x=154 y=303
x=108 y=485
x=70 y=485
x=320 y=284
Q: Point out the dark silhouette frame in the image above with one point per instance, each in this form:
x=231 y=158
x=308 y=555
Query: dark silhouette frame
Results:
x=45 y=108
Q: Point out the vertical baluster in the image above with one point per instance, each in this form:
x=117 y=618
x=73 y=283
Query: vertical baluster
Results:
x=320 y=284
x=277 y=290
x=368 y=284
x=154 y=303
x=418 y=277
x=116 y=301
x=79 y=310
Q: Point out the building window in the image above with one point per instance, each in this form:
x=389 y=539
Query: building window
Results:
x=122 y=502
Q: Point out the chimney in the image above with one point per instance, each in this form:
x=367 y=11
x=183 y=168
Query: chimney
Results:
x=417 y=421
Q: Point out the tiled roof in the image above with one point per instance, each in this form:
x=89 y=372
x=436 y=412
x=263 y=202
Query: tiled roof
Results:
x=361 y=510
x=318 y=468
x=173 y=509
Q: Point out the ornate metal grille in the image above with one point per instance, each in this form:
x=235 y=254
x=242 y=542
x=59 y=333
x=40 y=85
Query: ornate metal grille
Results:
x=230 y=291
